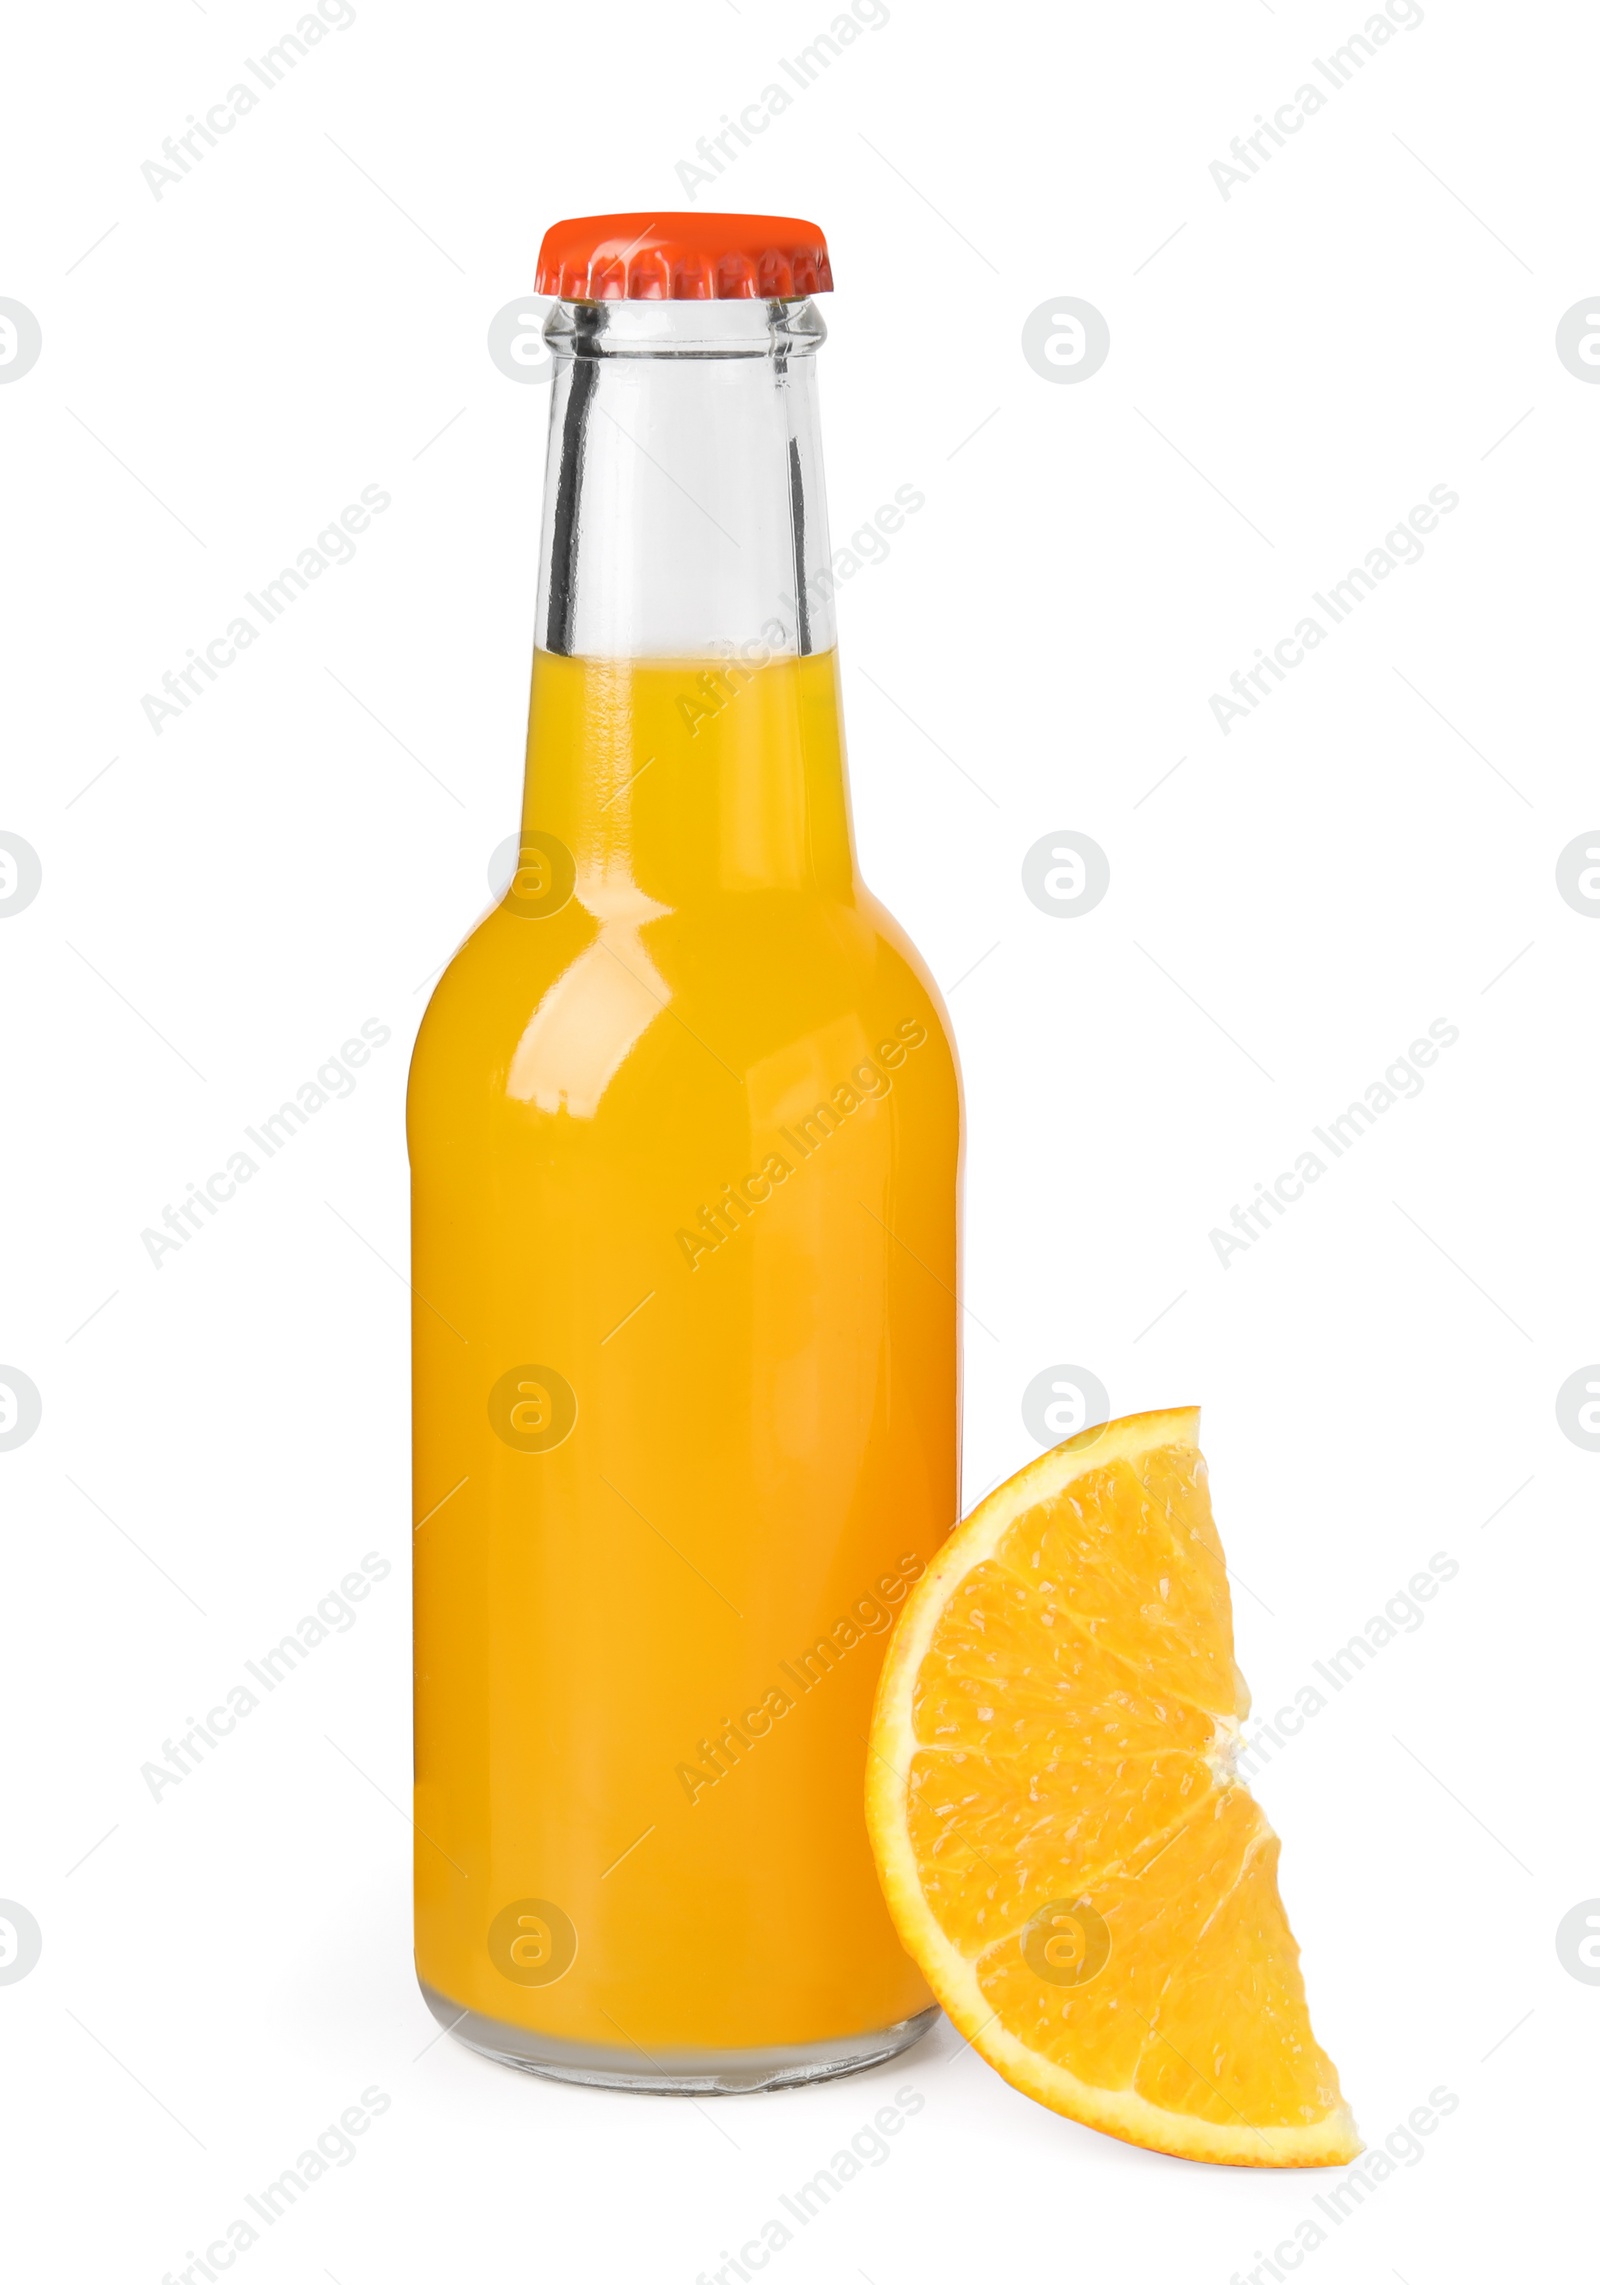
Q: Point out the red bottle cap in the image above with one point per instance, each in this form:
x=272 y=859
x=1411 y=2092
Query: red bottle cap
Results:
x=683 y=257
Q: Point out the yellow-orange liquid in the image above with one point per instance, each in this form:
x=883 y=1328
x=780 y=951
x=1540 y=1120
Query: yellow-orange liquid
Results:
x=762 y=1443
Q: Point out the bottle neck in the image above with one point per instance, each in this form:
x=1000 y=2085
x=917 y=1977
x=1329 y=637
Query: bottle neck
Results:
x=684 y=513
x=684 y=736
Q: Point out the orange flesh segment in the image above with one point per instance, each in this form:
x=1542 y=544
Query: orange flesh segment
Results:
x=1071 y=1724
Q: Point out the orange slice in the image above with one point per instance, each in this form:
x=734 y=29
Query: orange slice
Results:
x=1065 y=1849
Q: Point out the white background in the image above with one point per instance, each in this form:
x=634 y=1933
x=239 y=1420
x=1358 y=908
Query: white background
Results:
x=1371 y=315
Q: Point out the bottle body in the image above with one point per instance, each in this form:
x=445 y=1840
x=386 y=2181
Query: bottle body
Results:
x=684 y=1127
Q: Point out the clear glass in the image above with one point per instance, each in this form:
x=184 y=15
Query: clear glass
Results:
x=685 y=1133
x=684 y=512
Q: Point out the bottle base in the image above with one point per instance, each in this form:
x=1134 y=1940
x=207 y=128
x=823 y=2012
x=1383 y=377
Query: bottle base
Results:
x=675 y=2071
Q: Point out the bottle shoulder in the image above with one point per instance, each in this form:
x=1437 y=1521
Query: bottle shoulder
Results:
x=580 y=1006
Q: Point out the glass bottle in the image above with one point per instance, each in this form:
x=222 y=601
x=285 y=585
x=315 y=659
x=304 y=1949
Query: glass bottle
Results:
x=684 y=1126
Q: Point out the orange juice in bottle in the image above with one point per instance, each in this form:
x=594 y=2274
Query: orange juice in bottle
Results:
x=684 y=1126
